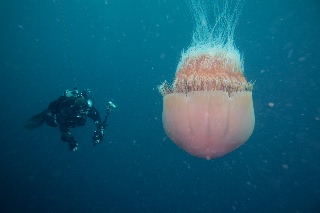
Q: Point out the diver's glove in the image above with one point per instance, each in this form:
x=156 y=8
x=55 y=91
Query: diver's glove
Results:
x=73 y=145
x=98 y=135
x=67 y=137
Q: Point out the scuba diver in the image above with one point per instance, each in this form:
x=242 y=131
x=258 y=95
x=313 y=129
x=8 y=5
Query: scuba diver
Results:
x=69 y=111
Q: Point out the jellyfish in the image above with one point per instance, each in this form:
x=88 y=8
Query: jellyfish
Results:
x=208 y=110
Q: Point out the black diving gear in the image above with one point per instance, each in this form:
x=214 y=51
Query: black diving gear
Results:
x=70 y=111
x=98 y=134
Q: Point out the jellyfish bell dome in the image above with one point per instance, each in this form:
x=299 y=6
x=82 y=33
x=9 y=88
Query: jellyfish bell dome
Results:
x=208 y=111
x=208 y=124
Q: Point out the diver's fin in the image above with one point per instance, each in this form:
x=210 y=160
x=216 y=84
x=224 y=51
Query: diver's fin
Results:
x=35 y=121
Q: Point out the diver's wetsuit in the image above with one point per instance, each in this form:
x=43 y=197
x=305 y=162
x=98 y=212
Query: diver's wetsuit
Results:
x=66 y=113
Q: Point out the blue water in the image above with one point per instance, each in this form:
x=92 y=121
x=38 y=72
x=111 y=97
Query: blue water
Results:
x=121 y=51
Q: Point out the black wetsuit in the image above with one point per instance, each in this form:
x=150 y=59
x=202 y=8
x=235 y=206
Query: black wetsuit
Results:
x=65 y=113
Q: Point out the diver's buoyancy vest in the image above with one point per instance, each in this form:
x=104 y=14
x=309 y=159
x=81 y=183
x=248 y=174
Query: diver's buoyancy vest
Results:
x=70 y=115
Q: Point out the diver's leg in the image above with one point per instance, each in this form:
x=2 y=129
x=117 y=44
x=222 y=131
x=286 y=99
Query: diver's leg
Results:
x=35 y=121
x=51 y=118
x=66 y=136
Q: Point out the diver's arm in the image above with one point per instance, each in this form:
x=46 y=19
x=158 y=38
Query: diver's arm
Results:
x=99 y=133
x=94 y=115
x=66 y=136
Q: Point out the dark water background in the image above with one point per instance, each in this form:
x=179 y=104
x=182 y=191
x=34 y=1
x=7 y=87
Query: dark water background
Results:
x=121 y=51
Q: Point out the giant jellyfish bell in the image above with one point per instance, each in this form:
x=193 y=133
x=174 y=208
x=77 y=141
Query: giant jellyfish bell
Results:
x=208 y=110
